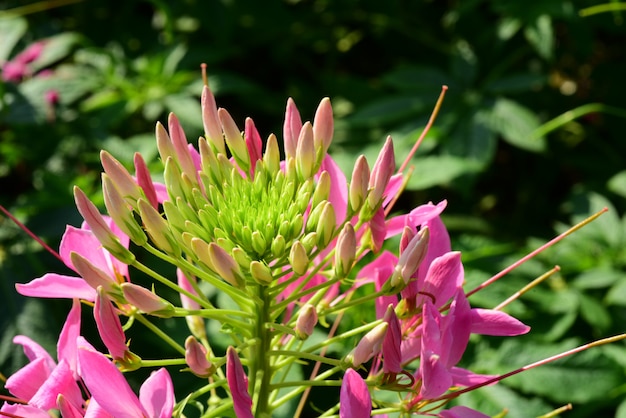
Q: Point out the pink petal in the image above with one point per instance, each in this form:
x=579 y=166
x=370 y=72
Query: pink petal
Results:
x=66 y=346
x=109 y=326
x=24 y=411
x=463 y=377
x=444 y=276
x=107 y=385
x=52 y=285
x=25 y=382
x=462 y=412
x=33 y=351
x=84 y=242
x=60 y=382
x=491 y=322
x=338 y=188
x=68 y=409
x=436 y=379
x=157 y=394
x=94 y=410
x=458 y=325
x=355 y=399
x=238 y=384
x=392 y=356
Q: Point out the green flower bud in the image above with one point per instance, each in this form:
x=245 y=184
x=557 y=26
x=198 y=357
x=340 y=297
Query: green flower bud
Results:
x=298 y=258
x=322 y=189
x=271 y=158
x=309 y=241
x=259 y=244
x=241 y=257
x=278 y=246
x=326 y=225
x=158 y=229
x=261 y=273
x=164 y=143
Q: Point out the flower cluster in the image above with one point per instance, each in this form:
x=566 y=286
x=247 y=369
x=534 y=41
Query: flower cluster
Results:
x=290 y=247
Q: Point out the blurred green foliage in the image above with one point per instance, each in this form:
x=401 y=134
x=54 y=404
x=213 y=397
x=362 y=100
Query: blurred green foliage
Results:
x=529 y=140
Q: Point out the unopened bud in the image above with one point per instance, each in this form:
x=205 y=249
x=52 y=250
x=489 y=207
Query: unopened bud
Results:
x=196 y=358
x=322 y=189
x=100 y=228
x=120 y=212
x=298 y=258
x=291 y=129
x=225 y=266
x=145 y=180
x=410 y=258
x=323 y=127
x=109 y=326
x=305 y=152
x=164 y=143
x=309 y=241
x=271 y=157
x=261 y=273
x=326 y=225
x=278 y=246
x=259 y=243
x=158 y=229
x=381 y=173
x=359 y=184
x=307 y=319
x=369 y=346
x=234 y=140
x=212 y=126
x=345 y=251
x=181 y=147
x=92 y=274
x=120 y=177
x=146 y=301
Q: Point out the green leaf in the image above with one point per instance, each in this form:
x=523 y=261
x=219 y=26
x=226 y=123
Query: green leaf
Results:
x=187 y=109
x=583 y=377
x=594 y=313
x=55 y=49
x=492 y=400
x=11 y=31
x=541 y=36
x=418 y=79
x=472 y=140
x=515 y=123
x=515 y=83
x=438 y=170
x=617 y=183
x=597 y=278
x=617 y=294
x=387 y=110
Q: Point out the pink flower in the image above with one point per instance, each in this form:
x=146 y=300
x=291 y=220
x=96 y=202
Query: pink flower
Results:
x=84 y=243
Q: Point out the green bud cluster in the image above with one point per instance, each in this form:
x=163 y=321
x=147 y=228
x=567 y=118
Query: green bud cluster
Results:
x=256 y=218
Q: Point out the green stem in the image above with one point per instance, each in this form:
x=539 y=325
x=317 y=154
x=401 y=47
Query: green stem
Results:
x=160 y=333
x=260 y=367
x=294 y=355
x=163 y=362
